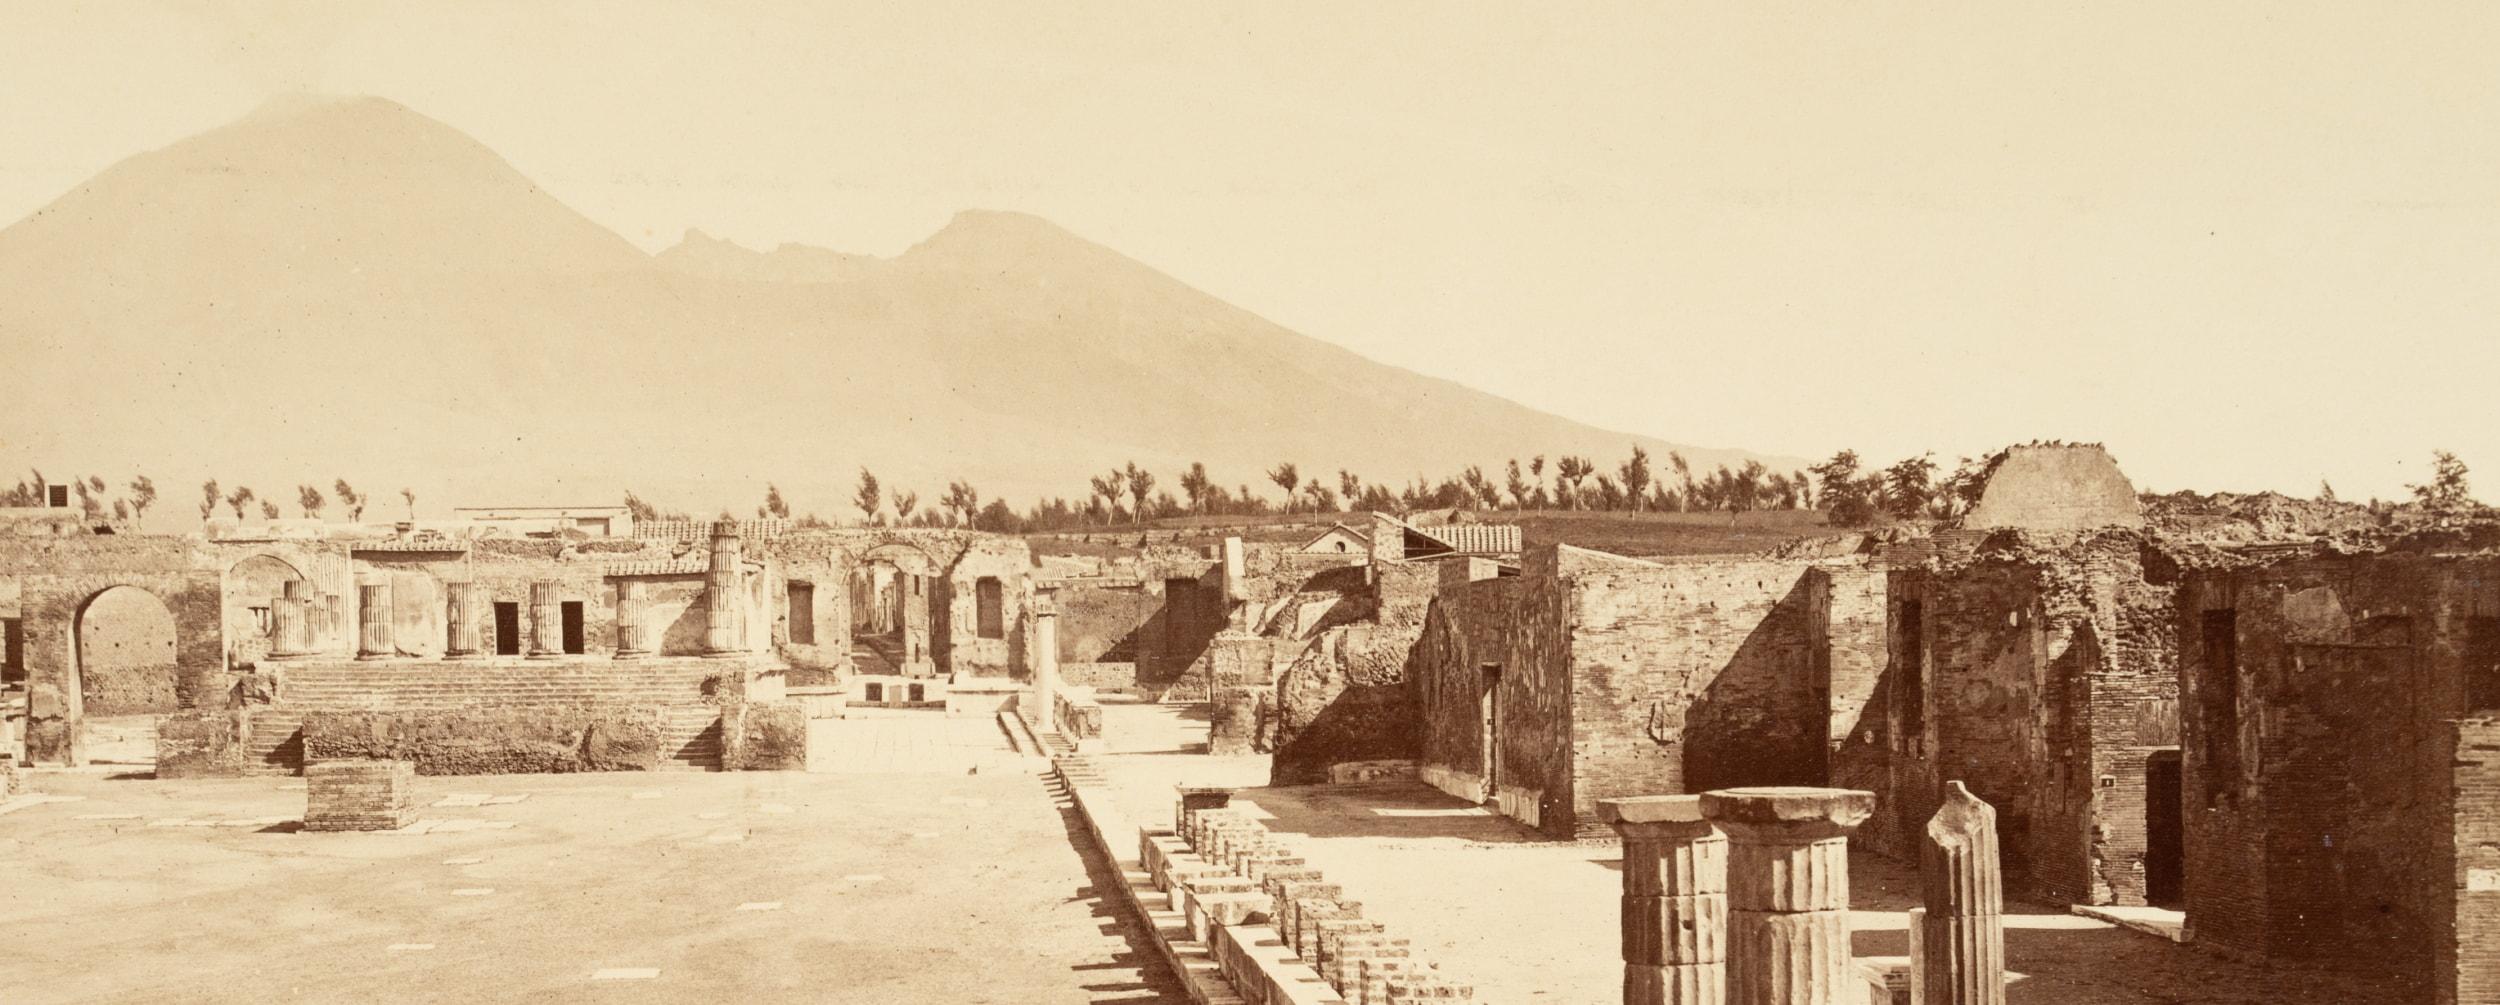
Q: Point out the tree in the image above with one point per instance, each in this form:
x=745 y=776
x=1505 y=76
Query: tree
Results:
x=1349 y=487
x=268 y=510
x=2447 y=491
x=1480 y=490
x=121 y=510
x=1569 y=472
x=1684 y=478
x=774 y=506
x=963 y=500
x=1194 y=484
x=1848 y=495
x=2326 y=492
x=1516 y=484
x=904 y=503
x=238 y=499
x=90 y=503
x=310 y=500
x=1908 y=484
x=409 y=496
x=1635 y=474
x=867 y=497
x=1141 y=483
x=1288 y=478
x=1323 y=499
x=1609 y=494
x=209 y=497
x=349 y=500
x=142 y=495
x=640 y=510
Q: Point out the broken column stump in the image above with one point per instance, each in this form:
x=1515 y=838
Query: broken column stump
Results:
x=632 y=614
x=1674 y=901
x=373 y=622
x=359 y=795
x=1957 y=943
x=460 y=616
x=1788 y=892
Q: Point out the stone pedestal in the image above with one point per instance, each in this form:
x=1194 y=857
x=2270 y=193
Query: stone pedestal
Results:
x=1674 y=901
x=460 y=616
x=359 y=795
x=291 y=623
x=373 y=622
x=724 y=594
x=633 y=634
x=1788 y=892
x=1957 y=947
x=1198 y=797
x=546 y=621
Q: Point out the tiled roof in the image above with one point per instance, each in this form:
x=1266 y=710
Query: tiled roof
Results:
x=694 y=566
x=1476 y=538
x=435 y=545
x=696 y=530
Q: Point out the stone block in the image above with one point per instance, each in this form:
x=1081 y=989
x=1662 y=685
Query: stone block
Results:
x=201 y=745
x=359 y=795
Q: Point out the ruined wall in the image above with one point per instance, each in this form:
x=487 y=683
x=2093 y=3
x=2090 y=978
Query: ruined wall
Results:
x=2321 y=755
x=1465 y=648
x=161 y=589
x=2466 y=963
x=1848 y=646
x=2044 y=680
x=492 y=741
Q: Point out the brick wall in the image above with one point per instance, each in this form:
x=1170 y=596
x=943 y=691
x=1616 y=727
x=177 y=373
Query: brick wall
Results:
x=2466 y=967
x=359 y=795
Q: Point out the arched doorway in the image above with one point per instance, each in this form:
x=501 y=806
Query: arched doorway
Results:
x=126 y=663
x=253 y=587
x=890 y=610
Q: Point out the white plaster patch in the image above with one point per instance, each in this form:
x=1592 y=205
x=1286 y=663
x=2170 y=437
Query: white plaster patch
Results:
x=411 y=947
x=473 y=891
x=108 y=816
x=716 y=815
x=506 y=800
x=2482 y=880
x=625 y=974
x=727 y=837
x=647 y=794
x=760 y=905
x=464 y=799
x=963 y=801
x=462 y=861
x=865 y=877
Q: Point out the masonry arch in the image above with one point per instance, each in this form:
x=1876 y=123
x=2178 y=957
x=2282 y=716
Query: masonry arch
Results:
x=124 y=650
x=252 y=588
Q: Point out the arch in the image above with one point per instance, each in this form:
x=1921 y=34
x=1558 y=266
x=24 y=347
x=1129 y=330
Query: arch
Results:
x=252 y=585
x=124 y=647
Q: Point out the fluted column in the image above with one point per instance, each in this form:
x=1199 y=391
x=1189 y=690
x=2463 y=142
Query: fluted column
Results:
x=1957 y=946
x=633 y=639
x=724 y=625
x=546 y=621
x=460 y=616
x=1788 y=892
x=1674 y=901
x=373 y=622
x=291 y=623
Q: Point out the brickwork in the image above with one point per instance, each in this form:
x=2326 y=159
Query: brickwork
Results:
x=2328 y=778
x=359 y=795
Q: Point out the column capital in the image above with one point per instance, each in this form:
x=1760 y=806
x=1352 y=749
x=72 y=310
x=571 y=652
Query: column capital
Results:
x=1638 y=818
x=1788 y=812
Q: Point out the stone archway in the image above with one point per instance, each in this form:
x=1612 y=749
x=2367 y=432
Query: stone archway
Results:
x=891 y=604
x=125 y=654
x=252 y=587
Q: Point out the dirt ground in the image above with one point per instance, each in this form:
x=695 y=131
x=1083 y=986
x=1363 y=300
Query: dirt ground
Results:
x=1532 y=920
x=760 y=887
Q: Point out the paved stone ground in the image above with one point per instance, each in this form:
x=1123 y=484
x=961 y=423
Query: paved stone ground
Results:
x=877 y=741
x=668 y=887
x=1531 y=920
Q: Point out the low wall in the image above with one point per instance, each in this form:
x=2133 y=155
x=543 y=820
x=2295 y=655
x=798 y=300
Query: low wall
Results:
x=764 y=736
x=489 y=741
x=1079 y=718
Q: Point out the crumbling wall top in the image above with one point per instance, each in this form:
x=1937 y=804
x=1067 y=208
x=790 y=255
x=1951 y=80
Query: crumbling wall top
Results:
x=2055 y=487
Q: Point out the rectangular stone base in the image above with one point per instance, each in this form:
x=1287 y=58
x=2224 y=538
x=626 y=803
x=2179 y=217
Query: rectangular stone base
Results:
x=359 y=795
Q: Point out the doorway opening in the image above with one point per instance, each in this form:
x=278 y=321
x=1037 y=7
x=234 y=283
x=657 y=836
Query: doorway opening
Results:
x=572 y=612
x=1489 y=706
x=802 y=613
x=507 y=628
x=2165 y=831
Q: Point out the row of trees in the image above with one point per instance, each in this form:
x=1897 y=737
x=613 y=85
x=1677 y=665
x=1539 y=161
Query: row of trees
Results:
x=309 y=501
x=96 y=500
x=93 y=496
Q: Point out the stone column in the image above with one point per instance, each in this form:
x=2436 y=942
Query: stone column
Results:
x=1045 y=646
x=291 y=619
x=1788 y=892
x=1957 y=947
x=373 y=622
x=632 y=635
x=546 y=621
x=460 y=616
x=1674 y=901
x=724 y=589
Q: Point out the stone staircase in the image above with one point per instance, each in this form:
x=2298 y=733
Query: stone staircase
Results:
x=692 y=739
x=277 y=742
x=415 y=686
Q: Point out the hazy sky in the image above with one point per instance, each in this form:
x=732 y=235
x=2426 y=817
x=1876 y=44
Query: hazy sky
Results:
x=2247 y=245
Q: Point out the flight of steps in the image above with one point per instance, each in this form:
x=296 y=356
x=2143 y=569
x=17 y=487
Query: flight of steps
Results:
x=692 y=739
x=439 y=685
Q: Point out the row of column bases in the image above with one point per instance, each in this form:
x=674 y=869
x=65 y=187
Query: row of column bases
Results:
x=724 y=624
x=1742 y=896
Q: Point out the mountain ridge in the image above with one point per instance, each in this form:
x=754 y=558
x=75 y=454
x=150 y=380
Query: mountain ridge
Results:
x=351 y=287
